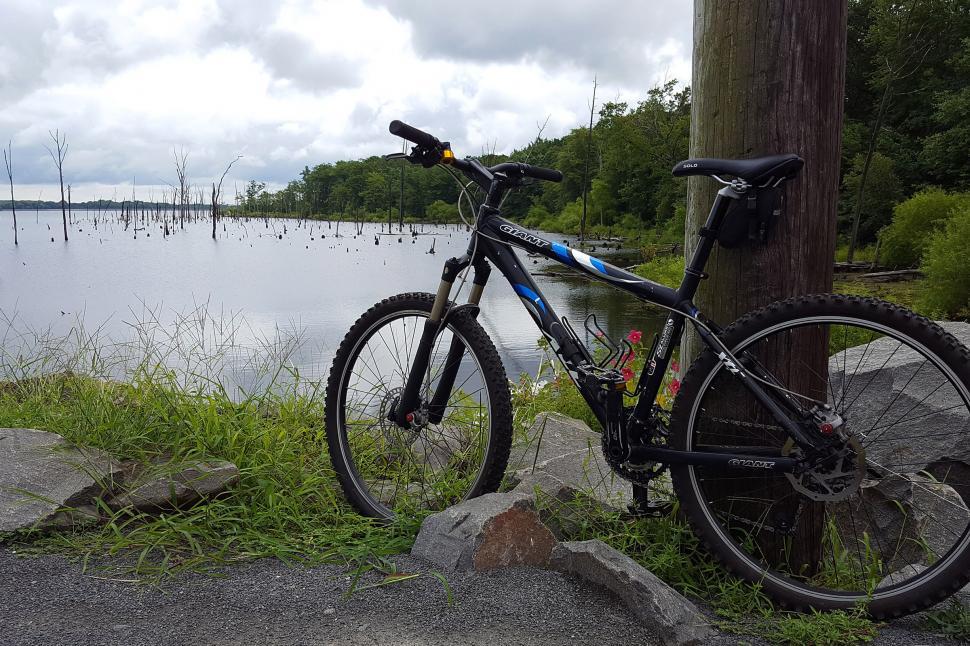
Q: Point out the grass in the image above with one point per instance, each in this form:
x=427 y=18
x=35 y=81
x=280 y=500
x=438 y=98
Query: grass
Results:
x=952 y=620
x=668 y=548
x=287 y=503
x=905 y=293
x=159 y=397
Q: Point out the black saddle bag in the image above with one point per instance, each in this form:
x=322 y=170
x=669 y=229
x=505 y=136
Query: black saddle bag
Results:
x=750 y=219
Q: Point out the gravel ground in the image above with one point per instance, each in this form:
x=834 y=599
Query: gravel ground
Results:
x=48 y=601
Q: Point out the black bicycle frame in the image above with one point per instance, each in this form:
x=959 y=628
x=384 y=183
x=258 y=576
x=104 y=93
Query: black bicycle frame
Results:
x=493 y=240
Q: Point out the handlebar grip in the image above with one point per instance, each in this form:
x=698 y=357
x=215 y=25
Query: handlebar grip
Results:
x=412 y=134
x=547 y=174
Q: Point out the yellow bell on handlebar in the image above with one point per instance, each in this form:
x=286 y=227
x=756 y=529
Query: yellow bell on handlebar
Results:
x=447 y=156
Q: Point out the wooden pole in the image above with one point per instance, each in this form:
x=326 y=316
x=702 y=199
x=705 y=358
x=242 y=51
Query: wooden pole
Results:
x=769 y=77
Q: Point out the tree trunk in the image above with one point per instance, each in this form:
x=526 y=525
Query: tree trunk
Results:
x=769 y=77
x=60 y=174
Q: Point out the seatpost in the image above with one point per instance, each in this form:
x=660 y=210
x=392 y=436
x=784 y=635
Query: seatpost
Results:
x=694 y=271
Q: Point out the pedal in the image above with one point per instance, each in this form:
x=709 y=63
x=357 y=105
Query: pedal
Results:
x=650 y=509
x=643 y=507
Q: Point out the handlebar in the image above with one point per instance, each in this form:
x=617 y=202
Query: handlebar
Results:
x=412 y=134
x=537 y=172
x=441 y=152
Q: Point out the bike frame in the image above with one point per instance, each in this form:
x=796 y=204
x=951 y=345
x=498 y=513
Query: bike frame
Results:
x=492 y=242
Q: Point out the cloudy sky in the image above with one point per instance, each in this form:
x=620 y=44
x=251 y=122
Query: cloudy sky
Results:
x=300 y=82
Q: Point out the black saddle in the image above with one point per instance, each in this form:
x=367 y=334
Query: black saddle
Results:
x=757 y=170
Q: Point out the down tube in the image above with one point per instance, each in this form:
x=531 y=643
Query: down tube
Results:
x=571 y=352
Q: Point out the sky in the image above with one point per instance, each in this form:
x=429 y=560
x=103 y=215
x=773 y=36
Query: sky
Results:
x=301 y=82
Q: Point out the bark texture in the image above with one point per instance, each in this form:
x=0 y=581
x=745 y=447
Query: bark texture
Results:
x=769 y=77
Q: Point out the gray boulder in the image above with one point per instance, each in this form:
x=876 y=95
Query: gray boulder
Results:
x=670 y=617
x=493 y=531
x=910 y=419
x=41 y=474
x=911 y=520
x=562 y=507
x=569 y=450
x=174 y=486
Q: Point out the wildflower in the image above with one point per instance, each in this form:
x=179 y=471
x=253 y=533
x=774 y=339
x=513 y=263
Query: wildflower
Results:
x=674 y=366
x=674 y=386
x=634 y=336
x=627 y=374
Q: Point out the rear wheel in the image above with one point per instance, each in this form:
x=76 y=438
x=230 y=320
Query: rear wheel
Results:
x=386 y=470
x=887 y=521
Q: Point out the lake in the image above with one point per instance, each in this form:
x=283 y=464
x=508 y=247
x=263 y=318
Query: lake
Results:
x=263 y=284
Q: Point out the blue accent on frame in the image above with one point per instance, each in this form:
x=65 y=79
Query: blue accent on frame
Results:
x=598 y=264
x=529 y=295
x=562 y=251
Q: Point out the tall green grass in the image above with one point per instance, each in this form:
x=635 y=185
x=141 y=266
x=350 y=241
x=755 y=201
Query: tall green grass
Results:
x=157 y=397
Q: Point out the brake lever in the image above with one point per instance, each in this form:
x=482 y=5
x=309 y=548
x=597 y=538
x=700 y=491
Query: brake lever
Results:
x=391 y=156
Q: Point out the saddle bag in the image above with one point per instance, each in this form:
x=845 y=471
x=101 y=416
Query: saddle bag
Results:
x=749 y=220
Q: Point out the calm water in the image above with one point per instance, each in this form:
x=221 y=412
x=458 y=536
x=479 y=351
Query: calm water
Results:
x=269 y=282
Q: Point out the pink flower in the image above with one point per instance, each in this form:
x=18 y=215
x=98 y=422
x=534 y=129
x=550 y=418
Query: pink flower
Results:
x=674 y=366
x=627 y=374
x=674 y=386
x=634 y=336
x=599 y=334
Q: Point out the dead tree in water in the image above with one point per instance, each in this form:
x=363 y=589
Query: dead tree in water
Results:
x=217 y=195
x=8 y=162
x=589 y=146
x=181 y=158
x=58 y=154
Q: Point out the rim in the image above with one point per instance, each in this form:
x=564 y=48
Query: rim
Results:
x=398 y=372
x=765 y=570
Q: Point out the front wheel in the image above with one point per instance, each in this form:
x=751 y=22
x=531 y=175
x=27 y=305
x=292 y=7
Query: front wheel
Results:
x=386 y=470
x=884 y=521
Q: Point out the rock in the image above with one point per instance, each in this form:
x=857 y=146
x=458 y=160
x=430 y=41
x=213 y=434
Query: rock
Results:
x=909 y=418
x=172 y=488
x=570 y=451
x=668 y=615
x=900 y=575
x=42 y=473
x=562 y=507
x=71 y=518
x=911 y=520
x=493 y=531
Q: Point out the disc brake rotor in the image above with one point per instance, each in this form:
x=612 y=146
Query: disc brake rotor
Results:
x=393 y=434
x=832 y=482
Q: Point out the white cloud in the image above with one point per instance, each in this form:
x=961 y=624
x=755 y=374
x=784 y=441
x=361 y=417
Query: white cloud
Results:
x=302 y=82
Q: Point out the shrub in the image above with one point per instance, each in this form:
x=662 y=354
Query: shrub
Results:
x=537 y=215
x=914 y=221
x=666 y=270
x=947 y=270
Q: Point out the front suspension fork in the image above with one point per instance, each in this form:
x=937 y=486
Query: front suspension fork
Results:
x=409 y=401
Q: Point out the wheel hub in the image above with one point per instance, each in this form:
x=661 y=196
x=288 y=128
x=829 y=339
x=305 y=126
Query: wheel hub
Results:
x=836 y=478
x=393 y=433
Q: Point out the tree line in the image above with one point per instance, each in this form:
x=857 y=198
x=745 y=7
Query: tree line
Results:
x=907 y=126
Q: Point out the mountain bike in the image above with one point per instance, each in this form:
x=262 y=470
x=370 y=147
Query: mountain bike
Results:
x=817 y=446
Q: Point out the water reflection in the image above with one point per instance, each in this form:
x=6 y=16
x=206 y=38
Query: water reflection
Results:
x=273 y=279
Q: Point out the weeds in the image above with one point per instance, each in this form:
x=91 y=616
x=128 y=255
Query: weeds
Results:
x=952 y=621
x=174 y=404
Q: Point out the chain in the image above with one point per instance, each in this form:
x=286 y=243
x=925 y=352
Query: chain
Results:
x=743 y=424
